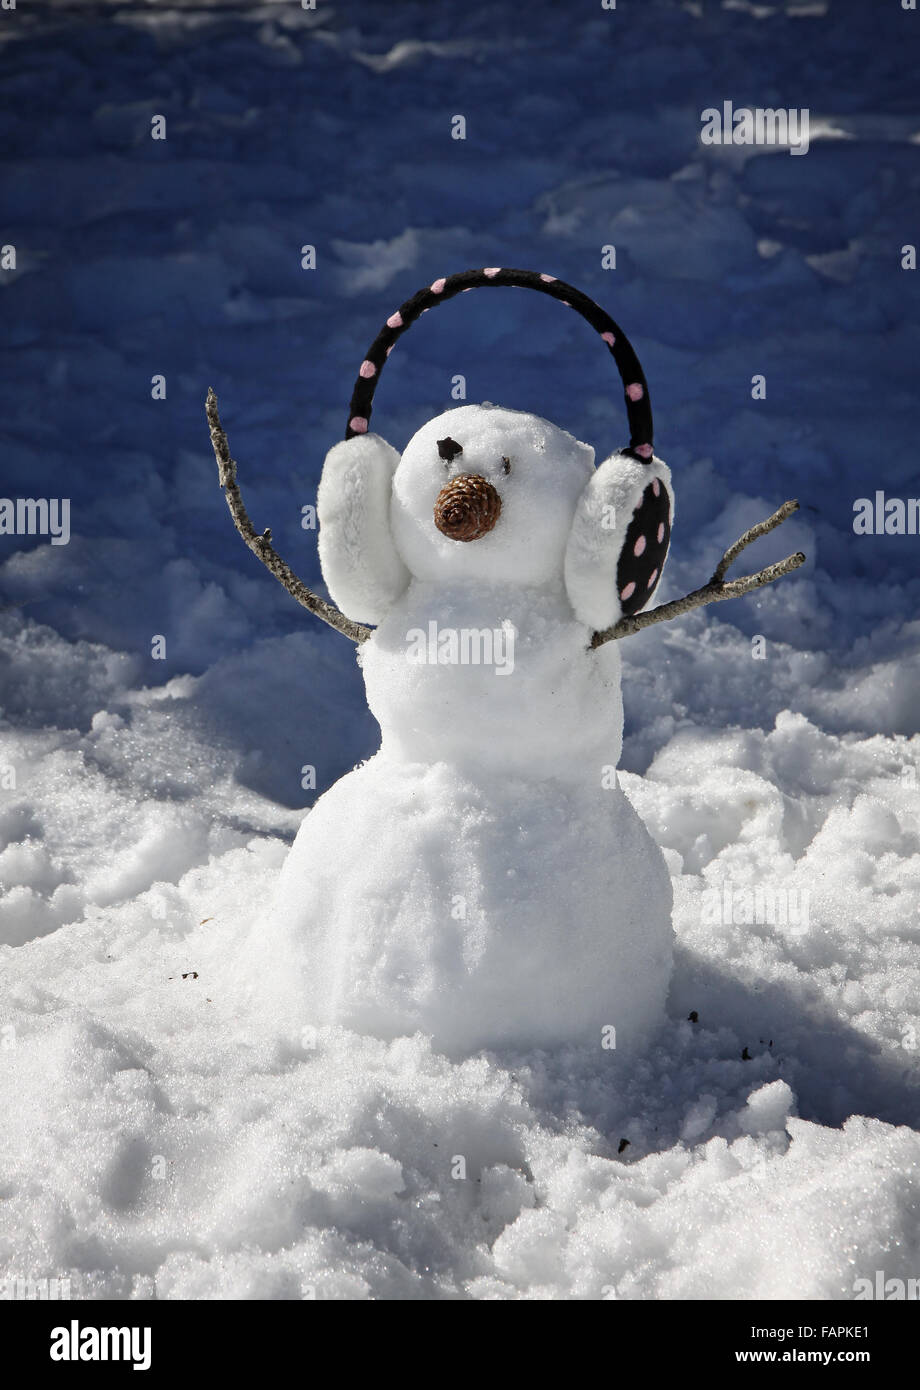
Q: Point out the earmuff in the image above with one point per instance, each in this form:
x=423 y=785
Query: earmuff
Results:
x=645 y=539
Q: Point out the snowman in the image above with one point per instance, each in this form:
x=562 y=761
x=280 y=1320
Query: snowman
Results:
x=483 y=878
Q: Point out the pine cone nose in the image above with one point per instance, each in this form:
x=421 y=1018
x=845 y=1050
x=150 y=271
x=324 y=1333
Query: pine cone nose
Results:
x=467 y=507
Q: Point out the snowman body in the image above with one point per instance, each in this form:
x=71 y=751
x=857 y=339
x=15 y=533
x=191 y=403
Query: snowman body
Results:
x=482 y=878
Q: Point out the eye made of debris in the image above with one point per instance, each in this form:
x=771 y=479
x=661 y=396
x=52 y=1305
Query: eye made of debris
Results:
x=506 y=464
x=448 y=449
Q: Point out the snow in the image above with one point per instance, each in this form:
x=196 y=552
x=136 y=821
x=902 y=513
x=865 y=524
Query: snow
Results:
x=164 y=1138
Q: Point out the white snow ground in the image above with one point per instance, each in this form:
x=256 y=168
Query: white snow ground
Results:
x=157 y=1141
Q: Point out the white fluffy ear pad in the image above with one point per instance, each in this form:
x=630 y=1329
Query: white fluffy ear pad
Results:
x=645 y=548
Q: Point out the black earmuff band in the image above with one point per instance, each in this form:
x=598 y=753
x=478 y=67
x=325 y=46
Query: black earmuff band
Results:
x=635 y=387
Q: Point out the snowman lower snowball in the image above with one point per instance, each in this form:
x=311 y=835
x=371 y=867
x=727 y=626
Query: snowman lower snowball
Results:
x=483 y=878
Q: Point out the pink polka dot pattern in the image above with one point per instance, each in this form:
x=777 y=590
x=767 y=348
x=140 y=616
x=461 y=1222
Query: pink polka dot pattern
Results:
x=645 y=452
x=491 y=271
x=547 y=279
x=645 y=548
x=358 y=424
x=367 y=369
x=395 y=320
x=438 y=285
x=635 y=391
x=608 y=338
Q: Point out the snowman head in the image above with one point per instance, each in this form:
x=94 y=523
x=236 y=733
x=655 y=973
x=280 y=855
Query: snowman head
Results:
x=483 y=493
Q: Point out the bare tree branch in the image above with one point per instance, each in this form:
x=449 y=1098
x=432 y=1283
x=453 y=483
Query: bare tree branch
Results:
x=717 y=589
x=261 y=545
x=761 y=529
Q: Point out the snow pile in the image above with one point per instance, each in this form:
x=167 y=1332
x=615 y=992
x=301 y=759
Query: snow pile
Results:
x=167 y=1141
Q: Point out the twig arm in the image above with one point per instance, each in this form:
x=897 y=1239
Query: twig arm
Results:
x=717 y=589
x=752 y=534
x=260 y=544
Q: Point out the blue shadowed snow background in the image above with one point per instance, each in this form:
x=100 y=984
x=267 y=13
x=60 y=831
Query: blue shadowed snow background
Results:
x=157 y=1144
